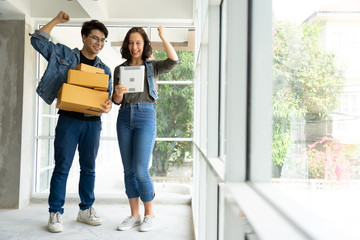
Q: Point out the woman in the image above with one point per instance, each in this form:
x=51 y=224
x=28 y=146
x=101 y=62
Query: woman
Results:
x=136 y=123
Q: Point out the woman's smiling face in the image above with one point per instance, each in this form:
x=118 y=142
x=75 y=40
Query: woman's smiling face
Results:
x=136 y=45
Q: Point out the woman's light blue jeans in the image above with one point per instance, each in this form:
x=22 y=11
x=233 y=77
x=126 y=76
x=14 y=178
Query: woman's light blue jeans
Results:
x=136 y=131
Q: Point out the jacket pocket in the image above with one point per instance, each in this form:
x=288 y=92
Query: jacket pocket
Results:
x=63 y=65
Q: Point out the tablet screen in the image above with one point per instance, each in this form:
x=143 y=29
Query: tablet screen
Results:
x=133 y=78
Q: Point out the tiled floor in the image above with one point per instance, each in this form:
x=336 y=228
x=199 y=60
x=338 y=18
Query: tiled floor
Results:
x=173 y=221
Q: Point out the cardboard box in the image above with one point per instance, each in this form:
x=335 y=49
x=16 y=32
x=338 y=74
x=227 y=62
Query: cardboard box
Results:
x=87 y=68
x=80 y=99
x=87 y=79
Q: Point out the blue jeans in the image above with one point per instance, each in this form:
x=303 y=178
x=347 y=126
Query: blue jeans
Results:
x=136 y=131
x=69 y=134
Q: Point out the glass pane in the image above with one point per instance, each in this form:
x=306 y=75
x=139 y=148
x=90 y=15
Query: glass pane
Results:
x=45 y=152
x=108 y=122
x=172 y=162
x=316 y=148
x=47 y=126
x=174 y=111
x=183 y=41
x=46 y=109
x=184 y=71
x=109 y=168
x=45 y=177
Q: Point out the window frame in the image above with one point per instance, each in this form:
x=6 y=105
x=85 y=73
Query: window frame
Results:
x=244 y=189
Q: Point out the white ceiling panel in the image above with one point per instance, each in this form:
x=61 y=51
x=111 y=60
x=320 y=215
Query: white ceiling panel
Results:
x=131 y=12
x=50 y=8
x=9 y=12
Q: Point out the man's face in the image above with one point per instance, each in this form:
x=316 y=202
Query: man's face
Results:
x=94 y=42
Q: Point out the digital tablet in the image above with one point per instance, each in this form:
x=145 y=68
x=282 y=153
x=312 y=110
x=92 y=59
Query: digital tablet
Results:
x=133 y=78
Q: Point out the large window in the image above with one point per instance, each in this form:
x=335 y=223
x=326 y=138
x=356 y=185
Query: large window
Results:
x=288 y=121
x=172 y=157
x=316 y=119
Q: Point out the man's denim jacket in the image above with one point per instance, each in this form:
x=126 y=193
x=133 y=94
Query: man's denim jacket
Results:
x=60 y=59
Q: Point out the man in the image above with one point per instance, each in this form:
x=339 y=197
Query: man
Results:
x=73 y=129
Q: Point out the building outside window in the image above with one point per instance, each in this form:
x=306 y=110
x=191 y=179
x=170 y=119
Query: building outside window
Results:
x=316 y=121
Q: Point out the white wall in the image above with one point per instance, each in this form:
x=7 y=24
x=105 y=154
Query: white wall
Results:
x=28 y=121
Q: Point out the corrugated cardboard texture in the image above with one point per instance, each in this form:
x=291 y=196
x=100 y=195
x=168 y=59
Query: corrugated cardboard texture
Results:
x=87 y=68
x=80 y=99
x=88 y=79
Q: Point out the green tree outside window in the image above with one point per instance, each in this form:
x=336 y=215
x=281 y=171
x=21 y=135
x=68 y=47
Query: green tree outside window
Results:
x=174 y=115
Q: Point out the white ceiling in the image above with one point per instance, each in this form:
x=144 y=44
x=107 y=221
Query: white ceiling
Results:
x=8 y=11
x=169 y=12
x=176 y=15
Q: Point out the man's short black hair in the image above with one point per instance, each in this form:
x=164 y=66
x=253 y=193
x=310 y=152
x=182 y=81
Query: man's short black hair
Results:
x=91 y=25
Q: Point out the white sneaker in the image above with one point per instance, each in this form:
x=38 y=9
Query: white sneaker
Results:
x=147 y=224
x=128 y=223
x=55 y=223
x=89 y=216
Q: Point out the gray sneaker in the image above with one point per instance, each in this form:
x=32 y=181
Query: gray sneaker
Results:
x=128 y=223
x=89 y=216
x=147 y=224
x=55 y=223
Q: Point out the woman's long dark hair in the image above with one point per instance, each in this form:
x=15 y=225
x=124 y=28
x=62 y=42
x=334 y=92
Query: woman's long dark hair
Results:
x=125 y=53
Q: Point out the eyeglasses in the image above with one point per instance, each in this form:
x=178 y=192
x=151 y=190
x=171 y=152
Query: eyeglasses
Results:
x=96 y=39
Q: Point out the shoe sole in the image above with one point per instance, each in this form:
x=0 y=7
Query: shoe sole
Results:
x=144 y=230
x=124 y=229
x=54 y=231
x=89 y=223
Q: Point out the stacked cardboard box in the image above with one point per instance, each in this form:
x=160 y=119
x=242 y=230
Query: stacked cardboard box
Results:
x=84 y=91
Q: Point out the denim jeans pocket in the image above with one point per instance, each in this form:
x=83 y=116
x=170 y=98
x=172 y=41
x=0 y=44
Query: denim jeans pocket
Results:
x=149 y=111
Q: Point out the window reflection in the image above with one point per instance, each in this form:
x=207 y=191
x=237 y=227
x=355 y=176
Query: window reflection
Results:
x=316 y=119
